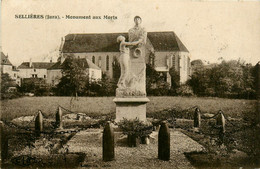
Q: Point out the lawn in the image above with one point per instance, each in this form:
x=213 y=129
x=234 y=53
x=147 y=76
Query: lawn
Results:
x=11 y=109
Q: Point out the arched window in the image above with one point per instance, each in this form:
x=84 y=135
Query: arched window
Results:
x=99 y=61
x=107 y=62
x=93 y=59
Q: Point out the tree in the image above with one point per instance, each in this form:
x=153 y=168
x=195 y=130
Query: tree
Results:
x=6 y=84
x=155 y=84
x=104 y=87
x=74 y=77
x=200 y=81
x=151 y=77
x=175 y=79
x=233 y=79
x=116 y=69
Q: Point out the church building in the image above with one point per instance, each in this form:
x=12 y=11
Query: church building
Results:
x=164 y=50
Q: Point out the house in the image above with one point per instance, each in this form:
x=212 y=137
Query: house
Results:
x=7 y=67
x=164 y=50
x=34 y=69
x=54 y=73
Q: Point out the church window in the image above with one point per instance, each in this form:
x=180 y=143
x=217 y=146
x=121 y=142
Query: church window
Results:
x=99 y=61
x=107 y=62
x=173 y=62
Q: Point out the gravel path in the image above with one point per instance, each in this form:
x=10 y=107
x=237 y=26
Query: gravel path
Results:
x=144 y=156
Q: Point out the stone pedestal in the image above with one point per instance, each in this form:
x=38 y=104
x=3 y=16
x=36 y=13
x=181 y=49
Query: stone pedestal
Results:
x=131 y=108
x=131 y=96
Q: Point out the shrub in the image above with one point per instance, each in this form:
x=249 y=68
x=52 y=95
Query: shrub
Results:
x=8 y=87
x=184 y=90
x=135 y=127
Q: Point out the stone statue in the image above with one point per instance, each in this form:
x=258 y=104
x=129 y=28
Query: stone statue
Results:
x=132 y=62
x=131 y=92
x=138 y=34
x=124 y=59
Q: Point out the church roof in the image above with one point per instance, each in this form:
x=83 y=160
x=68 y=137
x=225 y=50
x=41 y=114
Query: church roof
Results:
x=81 y=61
x=106 y=42
x=5 y=60
x=36 y=65
x=166 y=41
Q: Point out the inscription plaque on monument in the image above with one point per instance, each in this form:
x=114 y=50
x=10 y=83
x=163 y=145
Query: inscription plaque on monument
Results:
x=131 y=92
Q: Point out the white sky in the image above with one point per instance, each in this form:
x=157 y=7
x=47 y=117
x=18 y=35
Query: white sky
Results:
x=209 y=30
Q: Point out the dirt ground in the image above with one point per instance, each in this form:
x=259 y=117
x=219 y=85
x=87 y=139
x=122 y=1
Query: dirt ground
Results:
x=143 y=156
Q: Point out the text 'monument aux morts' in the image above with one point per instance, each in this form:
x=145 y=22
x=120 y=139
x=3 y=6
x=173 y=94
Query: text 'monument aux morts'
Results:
x=39 y=16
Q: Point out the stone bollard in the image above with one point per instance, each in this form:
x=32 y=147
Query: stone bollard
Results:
x=38 y=124
x=145 y=140
x=164 y=142
x=197 y=118
x=59 y=118
x=4 y=142
x=220 y=120
x=108 y=143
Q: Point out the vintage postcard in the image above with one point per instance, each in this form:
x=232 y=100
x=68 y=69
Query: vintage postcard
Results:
x=130 y=84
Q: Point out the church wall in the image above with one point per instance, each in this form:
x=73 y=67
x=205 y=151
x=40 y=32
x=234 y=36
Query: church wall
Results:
x=184 y=66
x=163 y=60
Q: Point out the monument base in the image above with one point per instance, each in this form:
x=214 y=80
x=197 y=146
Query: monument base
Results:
x=131 y=108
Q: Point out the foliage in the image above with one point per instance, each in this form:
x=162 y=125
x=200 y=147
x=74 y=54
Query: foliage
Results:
x=6 y=84
x=135 y=127
x=28 y=85
x=175 y=79
x=170 y=115
x=155 y=83
x=104 y=87
x=37 y=86
x=74 y=78
x=184 y=90
x=116 y=69
x=233 y=79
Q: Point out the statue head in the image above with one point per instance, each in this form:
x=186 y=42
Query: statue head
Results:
x=137 y=20
x=120 y=38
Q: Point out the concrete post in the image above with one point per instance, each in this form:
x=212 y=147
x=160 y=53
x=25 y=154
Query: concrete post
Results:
x=108 y=143
x=38 y=124
x=59 y=118
x=220 y=120
x=164 y=142
x=197 y=118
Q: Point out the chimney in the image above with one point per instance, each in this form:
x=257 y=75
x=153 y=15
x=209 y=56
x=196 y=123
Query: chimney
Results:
x=30 y=64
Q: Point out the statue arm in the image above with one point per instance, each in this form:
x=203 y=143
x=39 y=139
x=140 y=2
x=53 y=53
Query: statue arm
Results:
x=131 y=43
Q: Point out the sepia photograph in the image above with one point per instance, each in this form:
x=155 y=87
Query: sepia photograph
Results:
x=130 y=84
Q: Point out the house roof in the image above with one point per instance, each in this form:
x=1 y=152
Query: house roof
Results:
x=5 y=60
x=106 y=42
x=81 y=61
x=36 y=65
